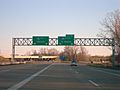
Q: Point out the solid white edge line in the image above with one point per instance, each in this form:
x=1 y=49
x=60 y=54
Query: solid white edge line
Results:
x=110 y=73
x=20 y=84
x=4 y=70
x=106 y=72
x=95 y=84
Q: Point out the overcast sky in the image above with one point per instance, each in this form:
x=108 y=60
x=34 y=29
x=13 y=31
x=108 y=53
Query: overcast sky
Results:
x=26 y=18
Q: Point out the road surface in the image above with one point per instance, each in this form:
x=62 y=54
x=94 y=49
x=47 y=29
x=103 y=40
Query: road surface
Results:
x=57 y=76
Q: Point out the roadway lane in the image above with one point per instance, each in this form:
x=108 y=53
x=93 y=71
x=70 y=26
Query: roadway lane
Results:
x=58 y=77
x=106 y=79
x=13 y=74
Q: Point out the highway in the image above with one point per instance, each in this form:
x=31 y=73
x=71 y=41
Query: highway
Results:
x=57 y=76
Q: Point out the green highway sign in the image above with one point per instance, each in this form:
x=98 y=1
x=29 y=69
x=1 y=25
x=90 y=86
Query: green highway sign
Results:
x=40 y=40
x=70 y=36
x=62 y=40
x=66 y=40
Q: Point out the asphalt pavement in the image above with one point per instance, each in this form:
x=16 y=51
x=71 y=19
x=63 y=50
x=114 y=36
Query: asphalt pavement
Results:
x=57 y=76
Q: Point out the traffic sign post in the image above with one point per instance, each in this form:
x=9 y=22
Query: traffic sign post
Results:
x=40 y=40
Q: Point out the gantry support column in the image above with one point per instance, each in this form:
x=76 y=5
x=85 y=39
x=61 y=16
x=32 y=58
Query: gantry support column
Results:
x=13 y=50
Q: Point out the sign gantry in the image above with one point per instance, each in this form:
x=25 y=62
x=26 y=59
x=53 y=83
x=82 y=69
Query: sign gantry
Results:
x=77 y=42
x=67 y=40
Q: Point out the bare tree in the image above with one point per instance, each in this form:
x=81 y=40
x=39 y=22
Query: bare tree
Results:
x=82 y=55
x=34 y=53
x=28 y=53
x=111 y=27
x=67 y=52
x=43 y=51
x=53 y=51
x=75 y=52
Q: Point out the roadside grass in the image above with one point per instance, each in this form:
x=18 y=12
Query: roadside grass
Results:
x=107 y=66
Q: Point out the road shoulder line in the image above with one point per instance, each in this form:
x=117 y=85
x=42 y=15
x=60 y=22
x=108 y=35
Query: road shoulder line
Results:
x=106 y=72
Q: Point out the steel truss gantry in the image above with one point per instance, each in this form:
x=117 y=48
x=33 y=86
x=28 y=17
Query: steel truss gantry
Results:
x=77 y=42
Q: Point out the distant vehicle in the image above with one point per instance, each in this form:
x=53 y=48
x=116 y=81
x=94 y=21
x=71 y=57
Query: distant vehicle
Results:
x=73 y=63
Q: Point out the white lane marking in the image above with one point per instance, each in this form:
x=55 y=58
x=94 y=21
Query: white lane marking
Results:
x=110 y=73
x=20 y=84
x=76 y=72
x=107 y=72
x=4 y=70
x=95 y=84
x=51 y=76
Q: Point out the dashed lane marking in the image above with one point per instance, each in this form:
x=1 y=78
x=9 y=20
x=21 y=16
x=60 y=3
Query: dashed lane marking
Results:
x=95 y=84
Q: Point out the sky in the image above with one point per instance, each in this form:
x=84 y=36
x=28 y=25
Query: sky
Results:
x=53 y=18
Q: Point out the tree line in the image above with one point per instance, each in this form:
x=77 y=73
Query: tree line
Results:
x=69 y=52
x=111 y=28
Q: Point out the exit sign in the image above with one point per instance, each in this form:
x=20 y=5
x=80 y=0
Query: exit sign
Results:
x=66 y=40
x=40 y=40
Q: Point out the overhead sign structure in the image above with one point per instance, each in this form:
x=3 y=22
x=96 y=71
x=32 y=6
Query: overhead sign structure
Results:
x=66 y=40
x=40 y=40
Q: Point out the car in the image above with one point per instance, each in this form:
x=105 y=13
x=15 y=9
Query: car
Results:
x=73 y=63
